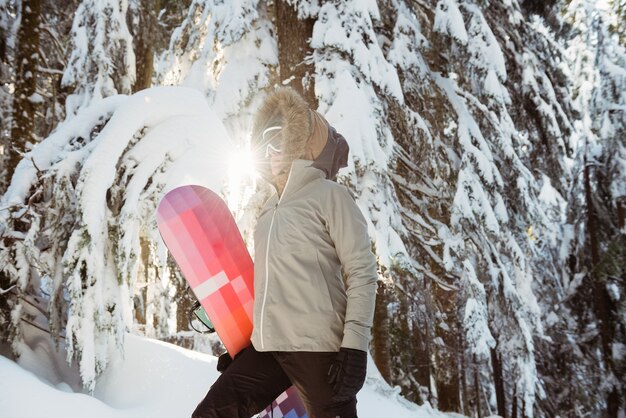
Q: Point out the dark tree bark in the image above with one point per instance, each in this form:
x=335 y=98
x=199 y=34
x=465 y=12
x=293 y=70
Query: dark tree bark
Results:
x=380 y=333
x=3 y=35
x=146 y=38
x=600 y=301
x=601 y=298
x=25 y=105
x=6 y=75
x=294 y=36
x=462 y=374
x=477 y=388
x=498 y=382
x=514 y=404
x=422 y=359
x=540 y=7
x=446 y=355
x=140 y=302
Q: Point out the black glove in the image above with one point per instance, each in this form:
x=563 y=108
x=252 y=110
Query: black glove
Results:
x=347 y=374
x=225 y=359
x=223 y=362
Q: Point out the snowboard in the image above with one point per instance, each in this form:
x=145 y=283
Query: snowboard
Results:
x=202 y=237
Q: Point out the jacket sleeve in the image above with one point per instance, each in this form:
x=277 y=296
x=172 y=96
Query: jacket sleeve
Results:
x=348 y=230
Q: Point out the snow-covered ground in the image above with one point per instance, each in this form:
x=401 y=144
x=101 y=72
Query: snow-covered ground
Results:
x=153 y=380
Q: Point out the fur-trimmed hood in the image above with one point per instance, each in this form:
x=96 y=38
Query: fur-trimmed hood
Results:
x=306 y=134
x=285 y=108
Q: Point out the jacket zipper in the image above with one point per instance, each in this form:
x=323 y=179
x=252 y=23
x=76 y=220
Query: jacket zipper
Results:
x=267 y=255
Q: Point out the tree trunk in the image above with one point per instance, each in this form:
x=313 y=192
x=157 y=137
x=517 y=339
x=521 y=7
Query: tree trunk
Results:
x=145 y=40
x=184 y=302
x=422 y=359
x=600 y=301
x=380 y=334
x=498 y=380
x=25 y=103
x=140 y=301
x=293 y=48
x=464 y=403
x=446 y=355
x=601 y=298
x=477 y=388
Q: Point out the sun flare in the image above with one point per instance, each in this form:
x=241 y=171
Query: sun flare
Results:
x=241 y=178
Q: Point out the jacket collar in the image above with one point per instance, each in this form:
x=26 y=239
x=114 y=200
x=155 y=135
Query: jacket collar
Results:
x=301 y=173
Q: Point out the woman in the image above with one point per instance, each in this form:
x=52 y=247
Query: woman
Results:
x=311 y=322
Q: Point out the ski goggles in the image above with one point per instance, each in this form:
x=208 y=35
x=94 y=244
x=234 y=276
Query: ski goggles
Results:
x=201 y=315
x=273 y=138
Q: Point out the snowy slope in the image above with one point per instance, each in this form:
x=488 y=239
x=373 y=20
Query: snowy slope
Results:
x=153 y=380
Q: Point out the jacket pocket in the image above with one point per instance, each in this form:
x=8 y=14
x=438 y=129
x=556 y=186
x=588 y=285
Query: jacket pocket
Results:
x=323 y=277
x=309 y=282
x=333 y=282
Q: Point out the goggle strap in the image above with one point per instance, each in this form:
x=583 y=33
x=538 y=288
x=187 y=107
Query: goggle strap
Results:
x=270 y=129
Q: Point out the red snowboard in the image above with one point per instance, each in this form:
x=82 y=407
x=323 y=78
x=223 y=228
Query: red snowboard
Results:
x=202 y=236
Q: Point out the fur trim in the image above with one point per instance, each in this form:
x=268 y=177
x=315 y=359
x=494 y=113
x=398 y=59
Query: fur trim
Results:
x=287 y=108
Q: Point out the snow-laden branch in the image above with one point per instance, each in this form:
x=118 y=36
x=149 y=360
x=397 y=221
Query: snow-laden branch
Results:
x=103 y=173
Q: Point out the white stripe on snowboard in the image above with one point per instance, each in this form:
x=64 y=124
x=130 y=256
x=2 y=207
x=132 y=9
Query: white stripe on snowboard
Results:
x=210 y=285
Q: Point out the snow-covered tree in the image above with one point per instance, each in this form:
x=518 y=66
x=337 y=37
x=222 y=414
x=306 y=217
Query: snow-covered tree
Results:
x=102 y=61
x=8 y=25
x=223 y=49
x=42 y=109
x=471 y=199
x=227 y=51
x=82 y=202
x=84 y=246
x=487 y=154
x=357 y=89
x=26 y=100
x=595 y=241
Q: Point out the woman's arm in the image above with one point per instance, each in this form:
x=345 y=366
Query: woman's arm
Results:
x=348 y=230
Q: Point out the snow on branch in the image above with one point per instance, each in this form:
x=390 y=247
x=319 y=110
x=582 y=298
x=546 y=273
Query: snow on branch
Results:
x=449 y=20
x=102 y=61
x=223 y=49
x=350 y=66
x=102 y=174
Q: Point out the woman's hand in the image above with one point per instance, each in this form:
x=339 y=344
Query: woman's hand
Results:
x=347 y=374
x=223 y=362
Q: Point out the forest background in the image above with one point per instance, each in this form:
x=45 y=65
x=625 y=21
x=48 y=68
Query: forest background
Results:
x=488 y=154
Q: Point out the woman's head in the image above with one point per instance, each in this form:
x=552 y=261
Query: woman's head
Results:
x=282 y=127
x=285 y=129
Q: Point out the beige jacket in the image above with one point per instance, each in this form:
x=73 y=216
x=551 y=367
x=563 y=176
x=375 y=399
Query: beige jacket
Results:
x=303 y=241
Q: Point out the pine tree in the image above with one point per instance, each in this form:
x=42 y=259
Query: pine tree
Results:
x=596 y=201
x=213 y=43
x=146 y=35
x=453 y=91
x=9 y=12
x=54 y=19
x=81 y=209
x=294 y=28
x=26 y=98
x=102 y=61
x=487 y=154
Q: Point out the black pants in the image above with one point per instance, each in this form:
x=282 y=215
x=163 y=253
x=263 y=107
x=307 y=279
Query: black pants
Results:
x=254 y=379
